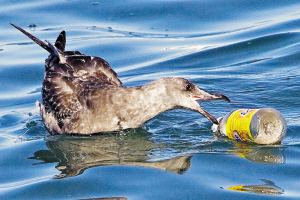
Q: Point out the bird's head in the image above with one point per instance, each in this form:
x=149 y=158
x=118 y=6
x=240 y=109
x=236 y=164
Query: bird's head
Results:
x=185 y=94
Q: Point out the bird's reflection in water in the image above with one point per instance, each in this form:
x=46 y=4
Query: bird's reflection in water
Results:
x=268 y=187
x=74 y=154
x=136 y=147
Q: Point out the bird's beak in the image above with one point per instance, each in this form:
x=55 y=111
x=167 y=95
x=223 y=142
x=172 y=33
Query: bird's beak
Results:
x=201 y=95
x=205 y=96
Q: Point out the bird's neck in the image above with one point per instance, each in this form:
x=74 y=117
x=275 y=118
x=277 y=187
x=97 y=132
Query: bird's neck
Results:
x=149 y=101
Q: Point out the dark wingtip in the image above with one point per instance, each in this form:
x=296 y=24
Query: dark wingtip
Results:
x=17 y=27
x=32 y=37
x=14 y=26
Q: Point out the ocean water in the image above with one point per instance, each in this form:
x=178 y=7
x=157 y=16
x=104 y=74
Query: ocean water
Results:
x=248 y=50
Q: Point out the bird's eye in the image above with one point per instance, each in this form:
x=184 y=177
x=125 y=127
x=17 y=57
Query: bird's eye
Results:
x=188 y=87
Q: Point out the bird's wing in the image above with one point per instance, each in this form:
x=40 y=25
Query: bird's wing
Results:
x=70 y=76
x=91 y=69
x=67 y=85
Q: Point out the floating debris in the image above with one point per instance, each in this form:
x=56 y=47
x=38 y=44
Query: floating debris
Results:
x=260 y=126
x=32 y=25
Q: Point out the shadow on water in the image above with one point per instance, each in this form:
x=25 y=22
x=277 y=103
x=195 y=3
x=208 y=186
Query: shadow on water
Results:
x=76 y=154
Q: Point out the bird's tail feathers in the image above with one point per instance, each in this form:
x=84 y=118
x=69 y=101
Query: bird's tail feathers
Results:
x=60 y=42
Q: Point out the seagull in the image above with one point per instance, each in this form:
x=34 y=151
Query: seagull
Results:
x=82 y=94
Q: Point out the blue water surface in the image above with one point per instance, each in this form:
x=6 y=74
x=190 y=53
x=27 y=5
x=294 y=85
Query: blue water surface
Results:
x=248 y=50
